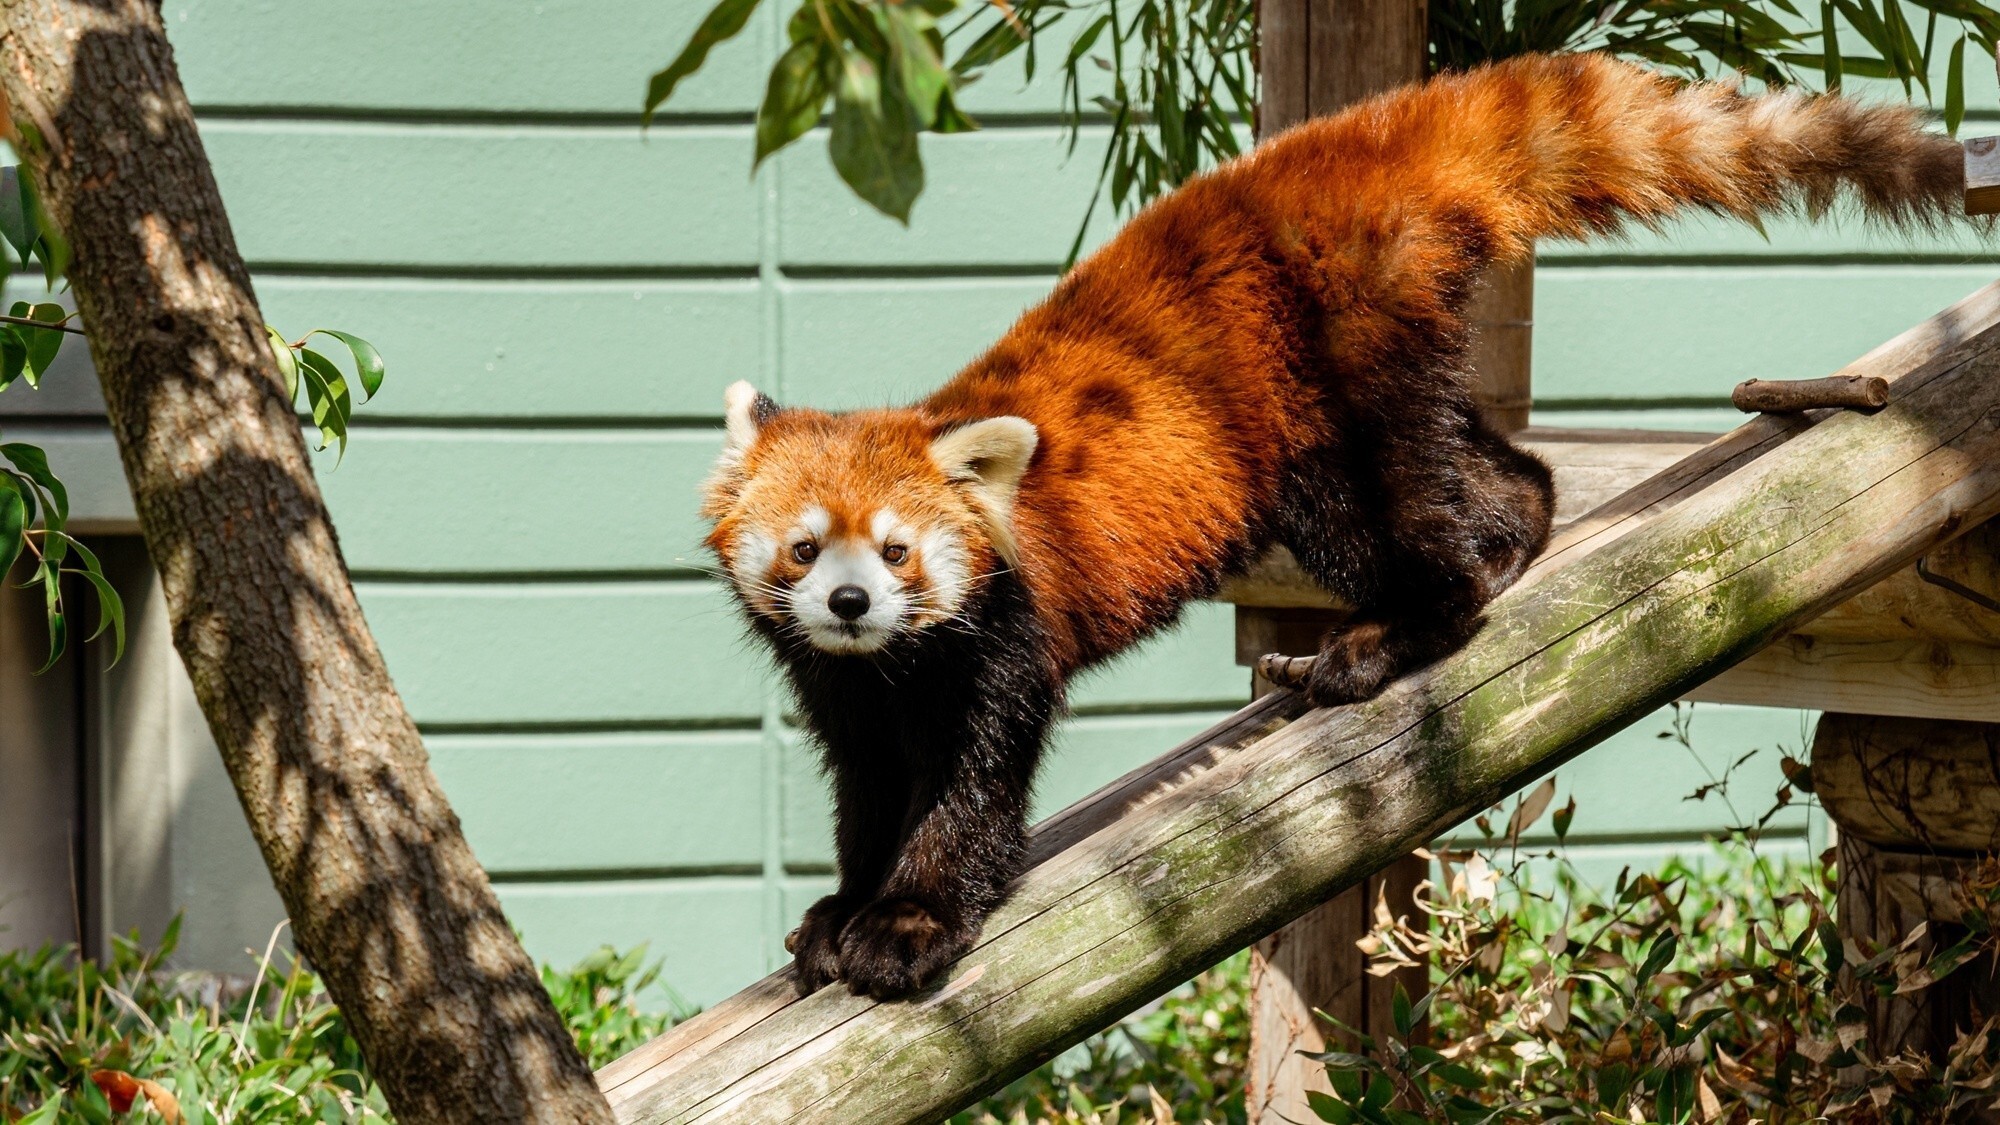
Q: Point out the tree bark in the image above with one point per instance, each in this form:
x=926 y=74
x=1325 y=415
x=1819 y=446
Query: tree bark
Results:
x=386 y=899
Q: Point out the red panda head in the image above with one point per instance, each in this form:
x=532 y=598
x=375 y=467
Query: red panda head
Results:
x=851 y=530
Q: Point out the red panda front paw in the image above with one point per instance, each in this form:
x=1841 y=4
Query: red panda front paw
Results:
x=815 y=945
x=1354 y=664
x=895 y=946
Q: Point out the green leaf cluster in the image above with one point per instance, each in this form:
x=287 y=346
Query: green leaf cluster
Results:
x=34 y=521
x=1777 y=42
x=1183 y=85
x=34 y=507
x=328 y=390
x=880 y=64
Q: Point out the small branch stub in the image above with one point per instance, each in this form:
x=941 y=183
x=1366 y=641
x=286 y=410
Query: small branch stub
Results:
x=1285 y=671
x=1982 y=176
x=1865 y=393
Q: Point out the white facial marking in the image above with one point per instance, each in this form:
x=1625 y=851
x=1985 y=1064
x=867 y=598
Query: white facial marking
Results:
x=816 y=521
x=884 y=523
x=751 y=568
x=946 y=566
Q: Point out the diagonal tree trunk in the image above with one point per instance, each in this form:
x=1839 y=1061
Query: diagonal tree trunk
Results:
x=385 y=897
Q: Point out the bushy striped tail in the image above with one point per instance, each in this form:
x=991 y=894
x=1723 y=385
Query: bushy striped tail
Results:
x=1596 y=142
x=1402 y=199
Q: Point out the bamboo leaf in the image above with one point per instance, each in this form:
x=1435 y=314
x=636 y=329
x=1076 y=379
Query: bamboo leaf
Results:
x=722 y=23
x=794 y=97
x=1954 y=88
x=874 y=147
x=288 y=364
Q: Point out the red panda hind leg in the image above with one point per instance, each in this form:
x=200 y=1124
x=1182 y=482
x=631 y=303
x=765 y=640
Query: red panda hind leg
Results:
x=1419 y=524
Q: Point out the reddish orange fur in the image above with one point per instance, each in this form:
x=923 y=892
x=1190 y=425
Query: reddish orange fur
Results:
x=1272 y=354
x=1173 y=378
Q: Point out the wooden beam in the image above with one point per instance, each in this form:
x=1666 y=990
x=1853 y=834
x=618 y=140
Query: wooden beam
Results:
x=1926 y=784
x=1242 y=829
x=1796 y=396
x=1591 y=467
x=1915 y=679
x=1982 y=176
x=1917 y=803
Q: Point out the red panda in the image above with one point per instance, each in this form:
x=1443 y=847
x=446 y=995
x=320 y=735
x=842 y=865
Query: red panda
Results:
x=1272 y=354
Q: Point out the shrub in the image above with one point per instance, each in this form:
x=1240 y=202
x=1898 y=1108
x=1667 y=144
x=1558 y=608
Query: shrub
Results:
x=1713 y=992
x=84 y=1041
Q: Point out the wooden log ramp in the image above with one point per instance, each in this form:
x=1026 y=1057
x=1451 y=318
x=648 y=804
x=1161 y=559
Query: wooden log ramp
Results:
x=1235 y=833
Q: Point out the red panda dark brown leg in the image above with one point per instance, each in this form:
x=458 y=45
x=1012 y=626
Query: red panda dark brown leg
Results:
x=966 y=834
x=1420 y=529
x=871 y=801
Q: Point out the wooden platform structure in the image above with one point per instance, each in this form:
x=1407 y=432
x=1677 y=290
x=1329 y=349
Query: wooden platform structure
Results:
x=1922 y=643
x=1775 y=559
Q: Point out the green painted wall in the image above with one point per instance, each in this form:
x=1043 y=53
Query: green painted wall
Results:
x=562 y=298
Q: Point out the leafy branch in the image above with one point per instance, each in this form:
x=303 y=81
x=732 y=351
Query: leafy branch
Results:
x=1183 y=85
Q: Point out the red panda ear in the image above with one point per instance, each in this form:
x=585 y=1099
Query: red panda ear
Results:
x=744 y=409
x=988 y=458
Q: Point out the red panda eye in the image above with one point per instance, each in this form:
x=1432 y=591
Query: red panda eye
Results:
x=895 y=553
x=805 y=552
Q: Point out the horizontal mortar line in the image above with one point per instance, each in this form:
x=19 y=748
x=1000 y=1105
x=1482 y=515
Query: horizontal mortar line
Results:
x=1218 y=707
x=446 y=116
x=1682 y=402
x=475 y=271
x=872 y=271
x=1580 y=258
x=626 y=874
x=532 y=577
x=748 y=724
x=364 y=420
x=667 y=118
x=809 y=868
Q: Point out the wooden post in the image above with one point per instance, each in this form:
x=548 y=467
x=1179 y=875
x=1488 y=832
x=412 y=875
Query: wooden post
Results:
x=1917 y=802
x=1314 y=964
x=1503 y=318
x=1315 y=57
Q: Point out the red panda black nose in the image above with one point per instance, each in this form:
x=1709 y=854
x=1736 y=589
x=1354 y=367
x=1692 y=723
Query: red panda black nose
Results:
x=848 y=602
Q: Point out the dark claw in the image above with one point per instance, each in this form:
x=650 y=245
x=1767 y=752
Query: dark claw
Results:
x=815 y=945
